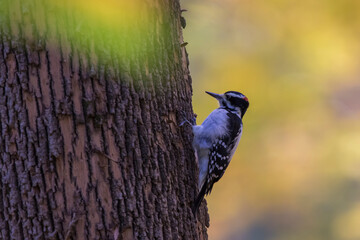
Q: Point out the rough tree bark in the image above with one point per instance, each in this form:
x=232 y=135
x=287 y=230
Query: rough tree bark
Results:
x=90 y=143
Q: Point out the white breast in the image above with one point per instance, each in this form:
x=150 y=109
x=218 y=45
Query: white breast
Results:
x=214 y=126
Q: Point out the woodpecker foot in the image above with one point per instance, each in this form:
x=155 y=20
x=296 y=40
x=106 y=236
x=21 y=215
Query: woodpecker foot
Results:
x=185 y=121
x=191 y=123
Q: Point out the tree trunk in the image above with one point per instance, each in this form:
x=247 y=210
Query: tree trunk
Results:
x=90 y=103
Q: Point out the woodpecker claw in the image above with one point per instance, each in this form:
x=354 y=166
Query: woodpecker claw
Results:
x=185 y=121
x=191 y=123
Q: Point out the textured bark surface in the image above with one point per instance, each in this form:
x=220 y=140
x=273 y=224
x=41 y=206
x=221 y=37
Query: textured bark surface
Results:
x=90 y=144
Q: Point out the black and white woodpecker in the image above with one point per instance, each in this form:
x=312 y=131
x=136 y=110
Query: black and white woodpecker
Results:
x=216 y=139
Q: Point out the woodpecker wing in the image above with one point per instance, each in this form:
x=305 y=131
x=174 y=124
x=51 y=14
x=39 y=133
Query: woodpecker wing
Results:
x=222 y=151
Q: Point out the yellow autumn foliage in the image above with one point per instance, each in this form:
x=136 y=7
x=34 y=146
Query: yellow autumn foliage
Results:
x=296 y=173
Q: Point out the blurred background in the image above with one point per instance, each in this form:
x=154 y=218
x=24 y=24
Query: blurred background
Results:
x=296 y=173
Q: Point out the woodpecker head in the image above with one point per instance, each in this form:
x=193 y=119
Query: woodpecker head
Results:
x=233 y=101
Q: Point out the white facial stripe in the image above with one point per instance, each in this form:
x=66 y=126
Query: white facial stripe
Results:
x=235 y=95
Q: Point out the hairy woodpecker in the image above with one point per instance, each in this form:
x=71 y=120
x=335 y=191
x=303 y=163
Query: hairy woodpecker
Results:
x=216 y=139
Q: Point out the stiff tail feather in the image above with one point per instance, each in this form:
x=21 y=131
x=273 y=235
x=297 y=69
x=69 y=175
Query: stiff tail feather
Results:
x=199 y=199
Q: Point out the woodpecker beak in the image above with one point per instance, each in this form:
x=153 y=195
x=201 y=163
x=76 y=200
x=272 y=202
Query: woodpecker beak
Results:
x=215 y=95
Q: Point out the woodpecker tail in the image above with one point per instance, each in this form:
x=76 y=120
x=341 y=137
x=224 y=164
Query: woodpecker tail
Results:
x=199 y=199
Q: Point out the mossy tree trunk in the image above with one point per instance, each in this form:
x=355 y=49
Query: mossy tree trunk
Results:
x=89 y=113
